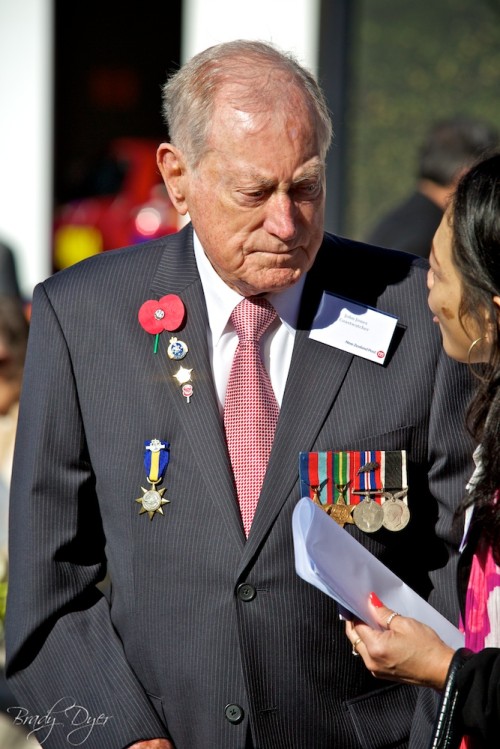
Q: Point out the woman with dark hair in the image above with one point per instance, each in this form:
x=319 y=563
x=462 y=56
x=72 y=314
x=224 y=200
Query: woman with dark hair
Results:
x=464 y=296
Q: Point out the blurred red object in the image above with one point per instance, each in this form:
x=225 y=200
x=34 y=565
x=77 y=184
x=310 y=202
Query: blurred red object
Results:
x=133 y=206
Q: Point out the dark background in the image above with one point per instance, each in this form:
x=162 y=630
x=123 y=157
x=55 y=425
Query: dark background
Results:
x=411 y=63
x=110 y=60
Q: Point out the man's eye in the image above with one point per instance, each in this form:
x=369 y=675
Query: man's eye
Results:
x=309 y=189
x=253 y=195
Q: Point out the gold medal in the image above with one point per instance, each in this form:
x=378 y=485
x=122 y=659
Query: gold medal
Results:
x=341 y=512
x=156 y=457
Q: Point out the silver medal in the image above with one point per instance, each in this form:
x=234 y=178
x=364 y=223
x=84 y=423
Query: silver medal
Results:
x=396 y=513
x=368 y=515
x=152 y=501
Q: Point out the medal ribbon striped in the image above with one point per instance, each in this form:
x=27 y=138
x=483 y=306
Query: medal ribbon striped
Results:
x=369 y=480
x=321 y=473
x=396 y=476
x=341 y=476
x=156 y=456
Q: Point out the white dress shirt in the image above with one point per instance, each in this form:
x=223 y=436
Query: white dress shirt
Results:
x=276 y=343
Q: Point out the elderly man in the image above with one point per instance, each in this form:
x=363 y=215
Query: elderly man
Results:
x=159 y=442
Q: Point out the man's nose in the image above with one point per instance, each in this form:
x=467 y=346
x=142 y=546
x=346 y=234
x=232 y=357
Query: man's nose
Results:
x=281 y=217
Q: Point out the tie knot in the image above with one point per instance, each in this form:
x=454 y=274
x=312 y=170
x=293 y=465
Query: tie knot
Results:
x=251 y=318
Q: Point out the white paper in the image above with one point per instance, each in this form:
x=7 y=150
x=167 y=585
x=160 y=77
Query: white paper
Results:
x=329 y=558
x=353 y=327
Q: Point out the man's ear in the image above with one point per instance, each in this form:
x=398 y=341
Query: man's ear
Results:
x=496 y=300
x=172 y=167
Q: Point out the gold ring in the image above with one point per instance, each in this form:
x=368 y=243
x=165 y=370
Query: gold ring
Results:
x=390 y=618
x=355 y=645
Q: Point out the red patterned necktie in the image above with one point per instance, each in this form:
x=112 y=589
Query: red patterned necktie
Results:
x=250 y=410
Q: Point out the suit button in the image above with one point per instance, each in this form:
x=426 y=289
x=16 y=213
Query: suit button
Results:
x=246 y=592
x=234 y=713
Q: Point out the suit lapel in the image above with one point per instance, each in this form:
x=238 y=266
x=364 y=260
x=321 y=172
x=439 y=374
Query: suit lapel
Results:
x=177 y=274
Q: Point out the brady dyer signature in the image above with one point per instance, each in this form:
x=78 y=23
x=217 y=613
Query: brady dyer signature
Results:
x=66 y=715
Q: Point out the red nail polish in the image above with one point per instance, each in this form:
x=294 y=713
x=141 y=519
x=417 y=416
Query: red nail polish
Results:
x=375 y=600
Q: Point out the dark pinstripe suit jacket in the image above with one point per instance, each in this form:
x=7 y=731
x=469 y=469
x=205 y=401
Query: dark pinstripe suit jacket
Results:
x=176 y=642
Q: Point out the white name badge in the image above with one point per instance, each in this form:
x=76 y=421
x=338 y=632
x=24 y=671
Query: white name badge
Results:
x=353 y=327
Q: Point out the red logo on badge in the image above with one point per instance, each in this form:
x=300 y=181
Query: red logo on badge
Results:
x=380 y=354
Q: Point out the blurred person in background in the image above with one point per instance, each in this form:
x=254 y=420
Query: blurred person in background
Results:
x=449 y=148
x=464 y=295
x=13 y=342
x=9 y=283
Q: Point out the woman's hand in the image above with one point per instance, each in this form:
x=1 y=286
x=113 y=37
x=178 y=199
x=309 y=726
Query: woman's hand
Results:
x=405 y=651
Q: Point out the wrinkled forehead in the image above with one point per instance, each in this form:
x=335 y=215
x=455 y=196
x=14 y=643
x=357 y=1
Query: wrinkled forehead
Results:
x=263 y=90
x=278 y=102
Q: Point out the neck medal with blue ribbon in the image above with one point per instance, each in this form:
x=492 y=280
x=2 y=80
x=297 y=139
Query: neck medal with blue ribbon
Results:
x=156 y=456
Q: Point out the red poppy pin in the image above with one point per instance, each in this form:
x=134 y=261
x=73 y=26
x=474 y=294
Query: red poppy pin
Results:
x=166 y=313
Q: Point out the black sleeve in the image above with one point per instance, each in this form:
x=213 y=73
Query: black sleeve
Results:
x=470 y=702
x=478 y=685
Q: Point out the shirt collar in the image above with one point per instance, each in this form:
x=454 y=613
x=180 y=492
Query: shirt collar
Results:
x=221 y=299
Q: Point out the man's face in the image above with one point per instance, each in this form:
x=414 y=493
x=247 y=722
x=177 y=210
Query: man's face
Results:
x=256 y=199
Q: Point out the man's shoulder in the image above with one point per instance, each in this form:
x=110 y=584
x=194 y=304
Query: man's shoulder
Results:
x=390 y=280
x=350 y=255
x=118 y=267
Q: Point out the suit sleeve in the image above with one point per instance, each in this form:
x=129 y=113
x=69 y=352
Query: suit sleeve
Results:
x=478 y=684
x=65 y=663
x=451 y=465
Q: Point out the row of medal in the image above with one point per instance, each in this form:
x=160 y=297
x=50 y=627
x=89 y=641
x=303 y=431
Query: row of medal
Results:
x=370 y=516
x=367 y=488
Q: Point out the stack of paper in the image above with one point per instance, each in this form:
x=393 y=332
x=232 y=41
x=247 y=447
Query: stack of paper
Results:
x=329 y=558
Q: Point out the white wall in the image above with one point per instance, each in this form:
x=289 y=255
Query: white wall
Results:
x=26 y=135
x=291 y=24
